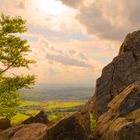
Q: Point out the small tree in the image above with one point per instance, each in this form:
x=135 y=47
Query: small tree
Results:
x=13 y=51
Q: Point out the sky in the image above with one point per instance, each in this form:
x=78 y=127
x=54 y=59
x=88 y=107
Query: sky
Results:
x=72 y=40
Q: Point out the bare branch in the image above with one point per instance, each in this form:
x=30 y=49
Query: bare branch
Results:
x=6 y=69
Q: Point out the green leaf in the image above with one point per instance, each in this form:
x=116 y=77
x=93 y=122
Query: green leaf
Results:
x=13 y=54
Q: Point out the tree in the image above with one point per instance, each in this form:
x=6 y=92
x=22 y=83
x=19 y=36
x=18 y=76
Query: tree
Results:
x=13 y=55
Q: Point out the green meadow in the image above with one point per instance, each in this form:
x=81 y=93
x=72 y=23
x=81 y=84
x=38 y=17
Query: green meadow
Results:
x=55 y=109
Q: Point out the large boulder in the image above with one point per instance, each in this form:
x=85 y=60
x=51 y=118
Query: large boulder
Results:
x=41 y=117
x=73 y=127
x=24 y=132
x=122 y=120
x=121 y=72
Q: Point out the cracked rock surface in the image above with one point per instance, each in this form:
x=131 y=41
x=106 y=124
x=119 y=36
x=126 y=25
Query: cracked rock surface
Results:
x=117 y=105
x=121 y=72
x=122 y=120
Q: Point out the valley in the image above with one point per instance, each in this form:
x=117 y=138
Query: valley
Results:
x=57 y=102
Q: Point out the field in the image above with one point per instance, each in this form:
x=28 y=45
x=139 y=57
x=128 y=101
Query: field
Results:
x=55 y=109
x=55 y=100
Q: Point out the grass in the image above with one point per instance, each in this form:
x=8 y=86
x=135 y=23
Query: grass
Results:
x=56 y=109
x=30 y=103
x=18 y=118
x=32 y=112
x=55 y=117
x=54 y=105
x=92 y=122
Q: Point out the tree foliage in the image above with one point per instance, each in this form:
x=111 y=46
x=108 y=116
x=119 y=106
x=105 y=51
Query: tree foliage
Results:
x=13 y=55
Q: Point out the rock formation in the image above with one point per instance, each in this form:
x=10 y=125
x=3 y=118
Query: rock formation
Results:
x=122 y=120
x=117 y=105
x=73 y=127
x=24 y=132
x=120 y=73
x=41 y=117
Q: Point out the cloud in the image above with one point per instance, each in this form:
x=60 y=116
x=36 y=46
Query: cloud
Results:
x=13 y=4
x=59 y=66
x=74 y=57
x=93 y=19
x=108 y=19
x=72 y=3
x=21 y=5
x=65 y=60
x=82 y=56
x=67 y=57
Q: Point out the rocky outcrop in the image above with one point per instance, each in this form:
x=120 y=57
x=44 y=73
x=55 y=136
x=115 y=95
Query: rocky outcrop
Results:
x=122 y=120
x=121 y=72
x=72 y=127
x=41 y=117
x=24 y=132
x=117 y=107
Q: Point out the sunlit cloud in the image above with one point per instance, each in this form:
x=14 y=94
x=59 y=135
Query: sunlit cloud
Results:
x=107 y=19
x=69 y=65
x=70 y=39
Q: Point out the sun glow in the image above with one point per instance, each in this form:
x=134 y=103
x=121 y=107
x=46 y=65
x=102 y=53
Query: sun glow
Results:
x=54 y=15
x=52 y=7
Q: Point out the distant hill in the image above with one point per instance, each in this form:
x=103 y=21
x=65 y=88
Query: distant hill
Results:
x=43 y=92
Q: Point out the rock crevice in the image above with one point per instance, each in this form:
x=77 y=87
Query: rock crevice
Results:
x=121 y=72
